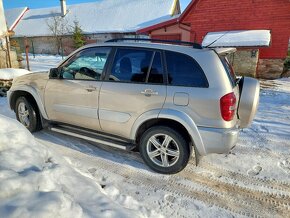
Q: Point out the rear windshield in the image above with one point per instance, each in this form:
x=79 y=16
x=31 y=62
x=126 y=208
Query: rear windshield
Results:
x=230 y=70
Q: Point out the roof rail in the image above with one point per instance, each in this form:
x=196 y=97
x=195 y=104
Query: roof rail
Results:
x=193 y=44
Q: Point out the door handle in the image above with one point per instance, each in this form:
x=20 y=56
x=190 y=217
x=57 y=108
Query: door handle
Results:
x=91 y=88
x=149 y=92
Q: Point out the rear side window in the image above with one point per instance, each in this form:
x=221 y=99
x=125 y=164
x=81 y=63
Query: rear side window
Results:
x=156 y=71
x=131 y=65
x=184 y=71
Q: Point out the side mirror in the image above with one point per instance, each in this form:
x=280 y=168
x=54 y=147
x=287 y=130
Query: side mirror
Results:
x=54 y=73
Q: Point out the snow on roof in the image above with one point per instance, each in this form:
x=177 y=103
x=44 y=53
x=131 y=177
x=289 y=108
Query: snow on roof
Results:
x=106 y=16
x=13 y=15
x=243 y=38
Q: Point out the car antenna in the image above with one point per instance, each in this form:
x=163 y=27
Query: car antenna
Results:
x=216 y=39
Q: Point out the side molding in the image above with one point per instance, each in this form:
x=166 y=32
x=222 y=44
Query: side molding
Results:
x=31 y=90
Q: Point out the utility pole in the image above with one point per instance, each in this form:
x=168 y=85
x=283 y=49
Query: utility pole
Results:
x=26 y=52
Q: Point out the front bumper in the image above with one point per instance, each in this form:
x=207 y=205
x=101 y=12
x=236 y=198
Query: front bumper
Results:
x=9 y=92
x=219 y=141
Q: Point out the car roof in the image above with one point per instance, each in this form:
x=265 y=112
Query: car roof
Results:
x=160 y=46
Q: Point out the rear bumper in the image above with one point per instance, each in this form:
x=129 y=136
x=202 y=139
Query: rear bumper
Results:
x=219 y=141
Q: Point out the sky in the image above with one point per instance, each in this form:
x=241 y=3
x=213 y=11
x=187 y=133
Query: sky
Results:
x=49 y=3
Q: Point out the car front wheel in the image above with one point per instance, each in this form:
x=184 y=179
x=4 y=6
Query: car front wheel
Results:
x=27 y=114
x=164 y=150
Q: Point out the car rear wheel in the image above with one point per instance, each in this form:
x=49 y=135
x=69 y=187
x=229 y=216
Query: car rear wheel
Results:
x=27 y=114
x=164 y=150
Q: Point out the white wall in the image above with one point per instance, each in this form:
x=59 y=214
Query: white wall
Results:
x=3 y=27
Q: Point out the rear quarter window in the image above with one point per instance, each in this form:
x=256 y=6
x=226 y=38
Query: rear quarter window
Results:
x=183 y=70
x=230 y=70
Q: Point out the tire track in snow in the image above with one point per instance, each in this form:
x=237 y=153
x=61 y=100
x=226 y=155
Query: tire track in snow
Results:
x=245 y=179
x=213 y=192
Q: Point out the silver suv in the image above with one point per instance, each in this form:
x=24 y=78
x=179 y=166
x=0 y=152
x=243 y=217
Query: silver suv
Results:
x=169 y=102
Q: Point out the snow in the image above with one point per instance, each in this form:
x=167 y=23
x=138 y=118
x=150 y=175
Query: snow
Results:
x=105 y=16
x=244 y=38
x=13 y=15
x=11 y=73
x=36 y=182
x=42 y=62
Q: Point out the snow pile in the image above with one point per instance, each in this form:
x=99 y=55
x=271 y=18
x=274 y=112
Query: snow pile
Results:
x=244 y=38
x=35 y=182
x=11 y=73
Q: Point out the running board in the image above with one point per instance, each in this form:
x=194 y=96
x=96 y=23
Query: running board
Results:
x=94 y=138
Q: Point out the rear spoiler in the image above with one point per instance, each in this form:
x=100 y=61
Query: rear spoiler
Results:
x=225 y=51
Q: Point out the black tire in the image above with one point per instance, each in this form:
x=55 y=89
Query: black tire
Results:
x=33 y=121
x=158 y=163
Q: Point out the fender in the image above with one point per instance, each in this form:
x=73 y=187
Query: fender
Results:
x=177 y=116
x=31 y=90
x=149 y=115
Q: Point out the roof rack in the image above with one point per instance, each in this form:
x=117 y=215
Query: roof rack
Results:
x=193 y=44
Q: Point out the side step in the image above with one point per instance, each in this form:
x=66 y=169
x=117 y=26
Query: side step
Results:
x=90 y=136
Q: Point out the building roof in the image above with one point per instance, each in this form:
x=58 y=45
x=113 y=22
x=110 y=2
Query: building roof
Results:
x=168 y=22
x=105 y=16
x=243 y=38
x=13 y=16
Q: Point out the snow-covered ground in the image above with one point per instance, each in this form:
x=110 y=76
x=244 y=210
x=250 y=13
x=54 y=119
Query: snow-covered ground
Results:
x=41 y=62
x=49 y=173
x=37 y=182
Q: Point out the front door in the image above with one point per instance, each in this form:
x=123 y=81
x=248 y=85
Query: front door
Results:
x=74 y=98
x=134 y=85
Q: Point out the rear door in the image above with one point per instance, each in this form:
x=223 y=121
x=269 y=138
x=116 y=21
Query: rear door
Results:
x=73 y=98
x=247 y=91
x=134 y=85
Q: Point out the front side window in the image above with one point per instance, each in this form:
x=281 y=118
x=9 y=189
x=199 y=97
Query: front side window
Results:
x=86 y=65
x=184 y=71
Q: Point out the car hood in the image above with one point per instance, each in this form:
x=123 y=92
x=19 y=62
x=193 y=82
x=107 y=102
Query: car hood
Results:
x=32 y=77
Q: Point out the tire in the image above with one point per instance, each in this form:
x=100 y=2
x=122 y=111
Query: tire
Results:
x=27 y=114
x=167 y=156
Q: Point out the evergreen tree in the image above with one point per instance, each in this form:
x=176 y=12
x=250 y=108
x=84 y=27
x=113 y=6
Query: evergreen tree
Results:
x=78 y=36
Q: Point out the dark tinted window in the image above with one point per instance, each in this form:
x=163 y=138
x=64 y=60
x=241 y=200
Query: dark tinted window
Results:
x=131 y=65
x=156 y=72
x=184 y=71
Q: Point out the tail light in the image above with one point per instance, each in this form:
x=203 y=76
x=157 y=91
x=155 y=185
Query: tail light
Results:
x=228 y=106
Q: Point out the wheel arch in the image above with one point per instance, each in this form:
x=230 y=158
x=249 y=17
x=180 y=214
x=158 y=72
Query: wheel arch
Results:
x=31 y=94
x=172 y=118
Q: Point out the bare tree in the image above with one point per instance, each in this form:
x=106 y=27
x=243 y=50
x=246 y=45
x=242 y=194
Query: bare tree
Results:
x=59 y=28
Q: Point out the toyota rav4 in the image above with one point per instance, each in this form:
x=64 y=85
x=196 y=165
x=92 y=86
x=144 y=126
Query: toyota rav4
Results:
x=169 y=102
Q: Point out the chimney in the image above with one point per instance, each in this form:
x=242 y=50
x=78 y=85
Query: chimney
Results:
x=63 y=7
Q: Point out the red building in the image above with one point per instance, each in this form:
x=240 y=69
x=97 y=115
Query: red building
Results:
x=203 y=16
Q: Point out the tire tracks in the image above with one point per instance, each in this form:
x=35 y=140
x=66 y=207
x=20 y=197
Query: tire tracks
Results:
x=196 y=186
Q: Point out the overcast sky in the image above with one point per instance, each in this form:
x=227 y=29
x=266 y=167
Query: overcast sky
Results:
x=49 y=3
